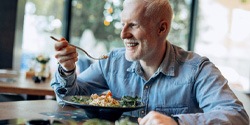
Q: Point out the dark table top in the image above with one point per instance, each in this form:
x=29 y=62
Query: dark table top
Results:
x=19 y=112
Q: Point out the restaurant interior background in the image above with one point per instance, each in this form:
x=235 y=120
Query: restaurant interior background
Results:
x=218 y=29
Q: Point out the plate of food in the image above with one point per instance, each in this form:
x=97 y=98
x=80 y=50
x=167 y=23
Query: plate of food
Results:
x=104 y=106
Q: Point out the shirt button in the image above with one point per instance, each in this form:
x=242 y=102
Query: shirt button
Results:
x=146 y=87
x=142 y=112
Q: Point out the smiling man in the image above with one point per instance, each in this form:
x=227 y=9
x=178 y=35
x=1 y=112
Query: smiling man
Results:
x=176 y=86
x=144 y=33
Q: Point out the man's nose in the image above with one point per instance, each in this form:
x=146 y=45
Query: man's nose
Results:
x=125 y=33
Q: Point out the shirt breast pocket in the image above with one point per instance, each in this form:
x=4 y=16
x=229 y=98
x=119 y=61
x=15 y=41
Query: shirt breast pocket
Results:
x=172 y=110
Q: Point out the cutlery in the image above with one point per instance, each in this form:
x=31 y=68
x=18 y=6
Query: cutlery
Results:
x=102 y=57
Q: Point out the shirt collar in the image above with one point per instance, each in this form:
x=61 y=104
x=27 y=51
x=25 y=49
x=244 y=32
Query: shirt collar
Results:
x=167 y=66
x=134 y=67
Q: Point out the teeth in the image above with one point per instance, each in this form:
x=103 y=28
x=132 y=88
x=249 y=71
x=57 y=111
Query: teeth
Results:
x=131 y=44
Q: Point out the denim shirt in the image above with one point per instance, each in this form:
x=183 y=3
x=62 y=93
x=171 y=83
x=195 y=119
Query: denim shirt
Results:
x=185 y=85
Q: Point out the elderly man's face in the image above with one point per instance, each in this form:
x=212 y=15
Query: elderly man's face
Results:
x=139 y=33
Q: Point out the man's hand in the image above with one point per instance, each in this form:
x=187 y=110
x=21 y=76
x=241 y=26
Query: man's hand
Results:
x=156 y=118
x=66 y=55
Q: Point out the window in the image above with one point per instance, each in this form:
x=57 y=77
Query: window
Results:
x=41 y=20
x=223 y=35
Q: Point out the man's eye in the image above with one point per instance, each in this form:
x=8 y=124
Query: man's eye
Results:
x=132 y=25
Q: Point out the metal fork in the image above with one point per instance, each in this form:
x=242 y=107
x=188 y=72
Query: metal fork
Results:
x=102 y=57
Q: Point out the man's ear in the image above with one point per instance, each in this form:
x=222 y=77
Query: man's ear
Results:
x=163 y=27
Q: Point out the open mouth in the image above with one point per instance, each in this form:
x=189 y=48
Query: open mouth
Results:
x=131 y=43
